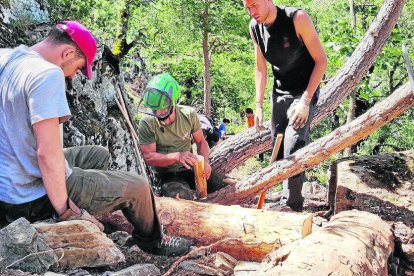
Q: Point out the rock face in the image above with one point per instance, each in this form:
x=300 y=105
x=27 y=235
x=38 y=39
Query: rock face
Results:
x=24 y=11
x=138 y=269
x=97 y=119
x=21 y=247
x=79 y=243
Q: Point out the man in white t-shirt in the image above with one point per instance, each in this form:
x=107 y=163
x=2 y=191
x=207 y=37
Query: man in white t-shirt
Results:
x=38 y=179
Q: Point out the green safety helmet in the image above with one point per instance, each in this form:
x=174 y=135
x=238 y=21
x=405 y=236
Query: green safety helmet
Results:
x=162 y=92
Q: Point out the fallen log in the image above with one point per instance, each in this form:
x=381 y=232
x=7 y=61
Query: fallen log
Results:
x=237 y=149
x=383 y=185
x=377 y=116
x=245 y=234
x=352 y=243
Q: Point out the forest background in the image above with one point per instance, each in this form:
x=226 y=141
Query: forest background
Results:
x=206 y=46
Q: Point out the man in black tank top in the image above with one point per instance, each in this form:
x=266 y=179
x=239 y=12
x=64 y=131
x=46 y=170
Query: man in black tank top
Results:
x=286 y=38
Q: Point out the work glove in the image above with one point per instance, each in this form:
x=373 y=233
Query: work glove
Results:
x=75 y=213
x=299 y=113
x=258 y=118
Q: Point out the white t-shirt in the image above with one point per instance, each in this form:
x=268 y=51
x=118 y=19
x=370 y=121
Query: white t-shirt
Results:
x=31 y=90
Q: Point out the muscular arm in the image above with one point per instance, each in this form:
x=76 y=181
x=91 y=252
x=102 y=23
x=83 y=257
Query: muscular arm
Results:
x=306 y=31
x=260 y=73
x=202 y=146
x=52 y=162
x=155 y=159
x=204 y=150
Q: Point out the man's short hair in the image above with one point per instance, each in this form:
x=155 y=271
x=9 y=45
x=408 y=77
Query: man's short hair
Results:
x=249 y=110
x=226 y=121
x=58 y=36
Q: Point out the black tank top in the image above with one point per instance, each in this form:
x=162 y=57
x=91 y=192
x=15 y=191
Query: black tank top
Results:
x=292 y=65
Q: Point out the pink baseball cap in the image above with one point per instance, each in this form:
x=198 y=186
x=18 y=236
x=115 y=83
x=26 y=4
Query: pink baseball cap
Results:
x=85 y=41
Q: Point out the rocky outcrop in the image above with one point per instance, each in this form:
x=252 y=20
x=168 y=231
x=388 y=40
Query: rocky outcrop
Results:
x=21 y=247
x=24 y=12
x=80 y=243
x=138 y=269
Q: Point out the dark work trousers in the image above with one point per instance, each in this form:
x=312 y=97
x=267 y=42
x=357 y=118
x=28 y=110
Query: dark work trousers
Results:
x=93 y=188
x=182 y=183
x=293 y=139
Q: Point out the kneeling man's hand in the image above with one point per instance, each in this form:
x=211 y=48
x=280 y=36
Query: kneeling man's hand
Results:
x=187 y=159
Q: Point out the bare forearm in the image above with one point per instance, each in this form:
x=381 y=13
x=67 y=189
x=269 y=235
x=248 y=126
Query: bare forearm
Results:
x=316 y=77
x=260 y=80
x=156 y=159
x=204 y=150
x=52 y=167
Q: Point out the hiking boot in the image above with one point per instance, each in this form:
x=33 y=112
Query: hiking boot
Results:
x=169 y=246
x=283 y=207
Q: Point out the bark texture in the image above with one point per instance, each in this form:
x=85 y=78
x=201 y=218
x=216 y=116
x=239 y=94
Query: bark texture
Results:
x=225 y=157
x=256 y=232
x=352 y=243
x=246 y=234
x=318 y=151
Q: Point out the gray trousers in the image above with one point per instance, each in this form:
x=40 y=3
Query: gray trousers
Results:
x=93 y=188
x=293 y=139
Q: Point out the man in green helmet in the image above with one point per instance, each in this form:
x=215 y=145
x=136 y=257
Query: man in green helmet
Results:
x=165 y=136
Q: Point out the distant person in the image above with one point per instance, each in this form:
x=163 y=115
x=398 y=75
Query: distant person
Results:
x=286 y=38
x=250 y=117
x=222 y=129
x=250 y=123
x=210 y=133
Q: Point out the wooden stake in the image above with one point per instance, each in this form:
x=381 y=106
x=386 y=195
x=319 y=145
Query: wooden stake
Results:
x=275 y=152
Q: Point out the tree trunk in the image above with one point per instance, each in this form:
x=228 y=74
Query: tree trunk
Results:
x=352 y=243
x=380 y=184
x=318 y=151
x=206 y=59
x=352 y=97
x=352 y=14
x=121 y=47
x=246 y=234
x=332 y=94
x=350 y=116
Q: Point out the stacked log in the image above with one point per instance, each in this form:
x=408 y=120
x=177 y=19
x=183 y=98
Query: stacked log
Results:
x=383 y=185
x=352 y=243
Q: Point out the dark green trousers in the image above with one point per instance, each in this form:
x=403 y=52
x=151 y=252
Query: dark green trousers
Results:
x=93 y=188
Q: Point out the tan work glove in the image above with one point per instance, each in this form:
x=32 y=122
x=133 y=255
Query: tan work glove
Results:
x=258 y=118
x=299 y=113
x=75 y=213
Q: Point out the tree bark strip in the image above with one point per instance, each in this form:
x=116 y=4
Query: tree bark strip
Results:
x=234 y=151
x=352 y=243
x=258 y=231
x=318 y=151
x=246 y=234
